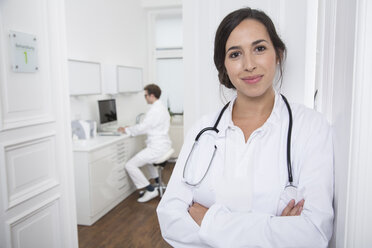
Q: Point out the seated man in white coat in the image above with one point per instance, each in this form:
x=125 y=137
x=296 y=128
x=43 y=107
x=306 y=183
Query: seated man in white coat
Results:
x=156 y=126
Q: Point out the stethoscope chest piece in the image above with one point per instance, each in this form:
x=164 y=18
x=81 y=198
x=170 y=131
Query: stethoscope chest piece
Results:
x=291 y=191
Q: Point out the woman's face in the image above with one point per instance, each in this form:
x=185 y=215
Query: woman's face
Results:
x=250 y=59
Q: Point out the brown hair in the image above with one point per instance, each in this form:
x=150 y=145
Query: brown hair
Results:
x=153 y=89
x=227 y=26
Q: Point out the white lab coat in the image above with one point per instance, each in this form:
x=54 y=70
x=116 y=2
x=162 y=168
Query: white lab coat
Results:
x=245 y=182
x=156 y=126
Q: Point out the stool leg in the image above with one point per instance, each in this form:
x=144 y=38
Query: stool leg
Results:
x=160 y=169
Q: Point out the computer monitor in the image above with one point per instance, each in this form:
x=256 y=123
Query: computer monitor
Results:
x=107 y=114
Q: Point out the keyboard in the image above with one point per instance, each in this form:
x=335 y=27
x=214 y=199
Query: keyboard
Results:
x=109 y=133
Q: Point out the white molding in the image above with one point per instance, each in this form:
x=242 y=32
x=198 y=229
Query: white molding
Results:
x=26 y=194
x=25 y=122
x=191 y=30
x=33 y=210
x=282 y=14
x=152 y=15
x=29 y=213
x=326 y=53
x=312 y=8
x=65 y=158
x=155 y=4
x=45 y=113
x=2 y=72
x=358 y=219
x=27 y=139
x=168 y=54
x=320 y=52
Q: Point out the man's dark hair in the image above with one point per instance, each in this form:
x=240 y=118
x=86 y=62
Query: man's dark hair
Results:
x=153 y=89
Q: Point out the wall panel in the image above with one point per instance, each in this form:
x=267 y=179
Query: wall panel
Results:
x=25 y=96
x=30 y=168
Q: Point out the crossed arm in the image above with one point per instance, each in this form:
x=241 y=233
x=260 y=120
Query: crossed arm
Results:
x=198 y=211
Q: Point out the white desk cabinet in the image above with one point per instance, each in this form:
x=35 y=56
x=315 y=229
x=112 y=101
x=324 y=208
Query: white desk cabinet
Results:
x=101 y=181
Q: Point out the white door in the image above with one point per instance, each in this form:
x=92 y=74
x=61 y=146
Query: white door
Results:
x=37 y=204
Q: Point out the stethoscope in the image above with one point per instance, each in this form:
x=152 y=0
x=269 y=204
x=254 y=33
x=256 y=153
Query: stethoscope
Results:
x=214 y=149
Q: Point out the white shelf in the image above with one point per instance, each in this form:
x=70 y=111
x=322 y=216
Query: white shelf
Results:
x=121 y=79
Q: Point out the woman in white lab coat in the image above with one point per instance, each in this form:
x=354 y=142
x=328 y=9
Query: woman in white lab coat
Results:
x=239 y=185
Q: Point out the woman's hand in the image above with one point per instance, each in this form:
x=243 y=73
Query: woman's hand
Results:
x=197 y=212
x=293 y=210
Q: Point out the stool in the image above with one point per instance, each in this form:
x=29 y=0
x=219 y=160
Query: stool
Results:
x=160 y=164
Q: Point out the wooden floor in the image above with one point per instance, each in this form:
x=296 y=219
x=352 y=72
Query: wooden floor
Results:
x=129 y=224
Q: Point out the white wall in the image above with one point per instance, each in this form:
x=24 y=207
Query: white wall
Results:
x=359 y=215
x=342 y=97
x=352 y=119
x=201 y=19
x=107 y=31
x=111 y=32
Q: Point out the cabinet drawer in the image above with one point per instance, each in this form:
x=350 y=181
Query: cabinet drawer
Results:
x=124 y=188
x=104 y=183
x=121 y=160
x=134 y=145
x=121 y=172
x=120 y=145
x=117 y=149
x=101 y=153
x=122 y=155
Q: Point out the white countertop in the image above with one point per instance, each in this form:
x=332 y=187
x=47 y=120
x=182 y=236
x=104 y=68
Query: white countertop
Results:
x=94 y=143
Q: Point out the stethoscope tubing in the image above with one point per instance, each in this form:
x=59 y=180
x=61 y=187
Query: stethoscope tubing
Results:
x=215 y=129
x=289 y=137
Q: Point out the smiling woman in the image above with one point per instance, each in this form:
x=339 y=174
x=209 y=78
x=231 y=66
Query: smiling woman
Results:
x=264 y=178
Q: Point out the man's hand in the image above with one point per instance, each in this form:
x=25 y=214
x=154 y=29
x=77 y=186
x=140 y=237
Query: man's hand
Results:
x=197 y=212
x=121 y=129
x=293 y=210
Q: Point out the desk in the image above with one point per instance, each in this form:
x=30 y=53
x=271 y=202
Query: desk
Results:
x=101 y=181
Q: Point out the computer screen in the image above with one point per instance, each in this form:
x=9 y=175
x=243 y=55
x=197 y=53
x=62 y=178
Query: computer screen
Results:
x=107 y=111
